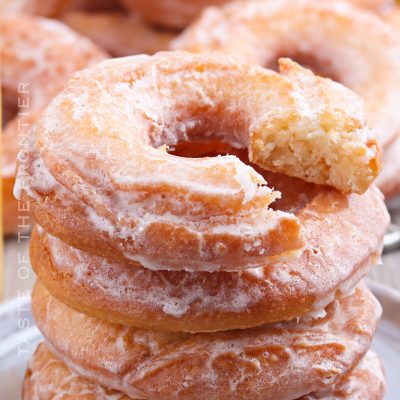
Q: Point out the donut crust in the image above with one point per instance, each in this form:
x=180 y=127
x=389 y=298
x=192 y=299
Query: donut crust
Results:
x=307 y=356
x=47 y=376
x=329 y=267
x=126 y=199
x=121 y=35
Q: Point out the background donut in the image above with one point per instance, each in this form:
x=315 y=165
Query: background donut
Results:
x=352 y=45
x=178 y=14
x=118 y=33
x=34 y=69
x=47 y=376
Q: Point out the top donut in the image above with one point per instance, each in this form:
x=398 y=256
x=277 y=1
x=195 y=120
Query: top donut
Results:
x=99 y=175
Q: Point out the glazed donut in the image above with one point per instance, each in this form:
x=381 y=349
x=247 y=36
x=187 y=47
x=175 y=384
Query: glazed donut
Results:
x=376 y=5
x=180 y=13
x=175 y=14
x=199 y=301
x=46 y=8
x=352 y=45
x=389 y=178
x=121 y=35
x=34 y=68
x=394 y=17
x=126 y=199
x=281 y=361
x=48 y=377
x=366 y=382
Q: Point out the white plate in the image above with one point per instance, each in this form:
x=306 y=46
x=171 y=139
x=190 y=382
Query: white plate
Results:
x=15 y=353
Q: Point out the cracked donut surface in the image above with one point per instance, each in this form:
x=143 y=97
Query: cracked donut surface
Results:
x=48 y=376
x=273 y=361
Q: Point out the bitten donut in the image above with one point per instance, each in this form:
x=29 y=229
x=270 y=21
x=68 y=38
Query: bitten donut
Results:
x=38 y=56
x=281 y=361
x=329 y=267
x=125 y=198
x=120 y=34
x=48 y=377
x=353 y=46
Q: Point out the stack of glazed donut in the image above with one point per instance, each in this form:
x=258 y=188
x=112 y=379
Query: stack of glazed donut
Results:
x=203 y=225
x=359 y=47
x=203 y=222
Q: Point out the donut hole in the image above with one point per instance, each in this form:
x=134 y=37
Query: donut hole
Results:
x=295 y=192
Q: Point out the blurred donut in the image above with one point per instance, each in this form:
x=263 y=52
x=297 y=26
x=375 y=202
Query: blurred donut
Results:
x=242 y=364
x=55 y=8
x=352 y=45
x=125 y=198
x=393 y=17
x=34 y=68
x=175 y=14
x=376 y=5
x=45 y=8
x=329 y=267
x=48 y=377
x=120 y=34
x=389 y=178
x=180 y=13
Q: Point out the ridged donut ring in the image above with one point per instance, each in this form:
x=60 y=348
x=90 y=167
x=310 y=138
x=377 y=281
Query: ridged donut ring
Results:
x=48 y=377
x=329 y=267
x=101 y=146
x=353 y=46
x=281 y=361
